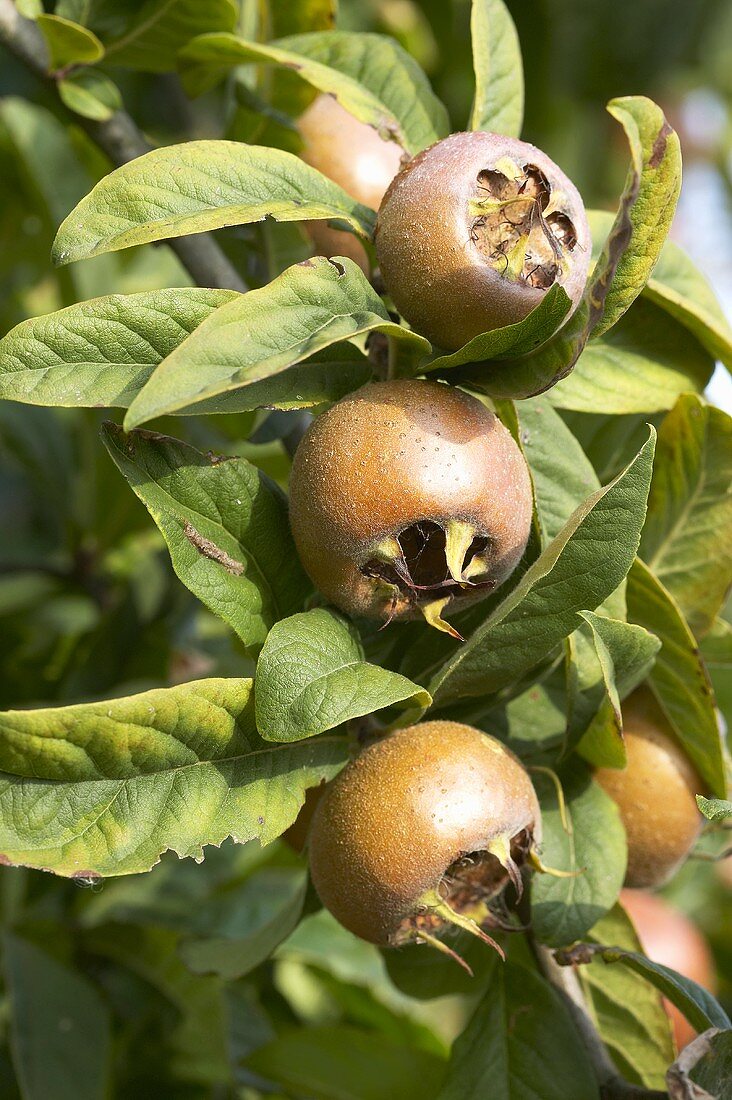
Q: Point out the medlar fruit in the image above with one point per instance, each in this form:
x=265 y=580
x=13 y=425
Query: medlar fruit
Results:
x=407 y=497
x=353 y=155
x=473 y=231
x=668 y=937
x=655 y=793
x=421 y=832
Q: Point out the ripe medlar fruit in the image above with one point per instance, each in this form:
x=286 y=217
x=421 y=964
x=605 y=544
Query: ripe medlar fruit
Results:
x=655 y=793
x=668 y=937
x=423 y=831
x=473 y=232
x=407 y=497
x=353 y=155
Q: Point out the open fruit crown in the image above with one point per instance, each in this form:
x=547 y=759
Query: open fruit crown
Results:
x=584 y=552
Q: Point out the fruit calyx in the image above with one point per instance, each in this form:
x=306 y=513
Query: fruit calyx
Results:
x=429 y=563
x=519 y=226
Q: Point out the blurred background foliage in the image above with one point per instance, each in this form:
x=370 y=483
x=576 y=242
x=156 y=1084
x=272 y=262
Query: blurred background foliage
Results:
x=89 y=606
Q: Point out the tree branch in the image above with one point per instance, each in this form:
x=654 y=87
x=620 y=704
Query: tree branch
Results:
x=564 y=979
x=122 y=141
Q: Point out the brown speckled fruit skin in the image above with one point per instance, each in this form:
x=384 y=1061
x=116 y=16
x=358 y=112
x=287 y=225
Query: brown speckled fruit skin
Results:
x=668 y=937
x=434 y=272
x=392 y=822
x=655 y=793
x=353 y=155
x=393 y=453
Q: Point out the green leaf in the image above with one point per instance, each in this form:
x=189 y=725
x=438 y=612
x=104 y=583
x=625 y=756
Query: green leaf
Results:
x=499 y=75
x=713 y=1071
x=642 y=365
x=481 y=359
x=716 y=646
x=369 y=74
x=626 y=1010
x=173 y=768
x=312 y=676
x=242 y=927
x=714 y=809
x=646 y=207
x=543 y=608
x=225 y=524
x=611 y=659
x=60 y=1027
x=101 y=352
x=683 y=291
x=593 y=851
x=679 y=679
x=687 y=539
x=339 y=1062
x=68 y=43
x=198 y=186
x=311 y=306
x=698 y=1005
x=90 y=94
x=520 y=1028
x=158 y=29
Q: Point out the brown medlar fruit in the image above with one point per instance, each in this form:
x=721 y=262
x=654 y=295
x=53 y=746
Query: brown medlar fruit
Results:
x=423 y=831
x=655 y=793
x=408 y=498
x=473 y=231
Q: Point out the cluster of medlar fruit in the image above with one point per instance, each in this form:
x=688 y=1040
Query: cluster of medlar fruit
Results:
x=410 y=498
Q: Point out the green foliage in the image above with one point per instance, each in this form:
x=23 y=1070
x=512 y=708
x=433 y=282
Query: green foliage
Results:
x=138 y=731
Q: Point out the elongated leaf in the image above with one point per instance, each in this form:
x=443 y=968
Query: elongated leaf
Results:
x=699 y=1006
x=611 y=659
x=225 y=525
x=687 y=539
x=311 y=306
x=647 y=206
x=60 y=1027
x=511 y=342
x=69 y=43
x=678 y=286
x=175 y=768
x=627 y=1011
x=312 y=676
x=716 y=646
x=241 y=928
x=593 y=850
x=197 y=186
x=642 y=365
x=369 y=74
x=90 y=94
x=543 y=607
x=714 y=809
x=499 y=74
x=101 y=352
x=520 y=1028
x=678 y=678
x=158 y=29
x=339 y=1062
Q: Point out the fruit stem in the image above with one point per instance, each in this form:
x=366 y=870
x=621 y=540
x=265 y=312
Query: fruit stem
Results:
x=392 y=365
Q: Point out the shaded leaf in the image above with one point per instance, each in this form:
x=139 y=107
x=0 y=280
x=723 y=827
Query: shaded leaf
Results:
x=594 y=851
x=370 y=75
x=312 y=676
x=198 y=186
x=499 y=77
x=311 y=306
x=543 y=608
x=174 y=768
x=687 y=538
x=68 y=42
x=60 y=1033
x=225 y=524
x=520 y=1044
x=678 y=678
x=100 y=352
x=158 y=29
x=90 y=94
x=627 y=1011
